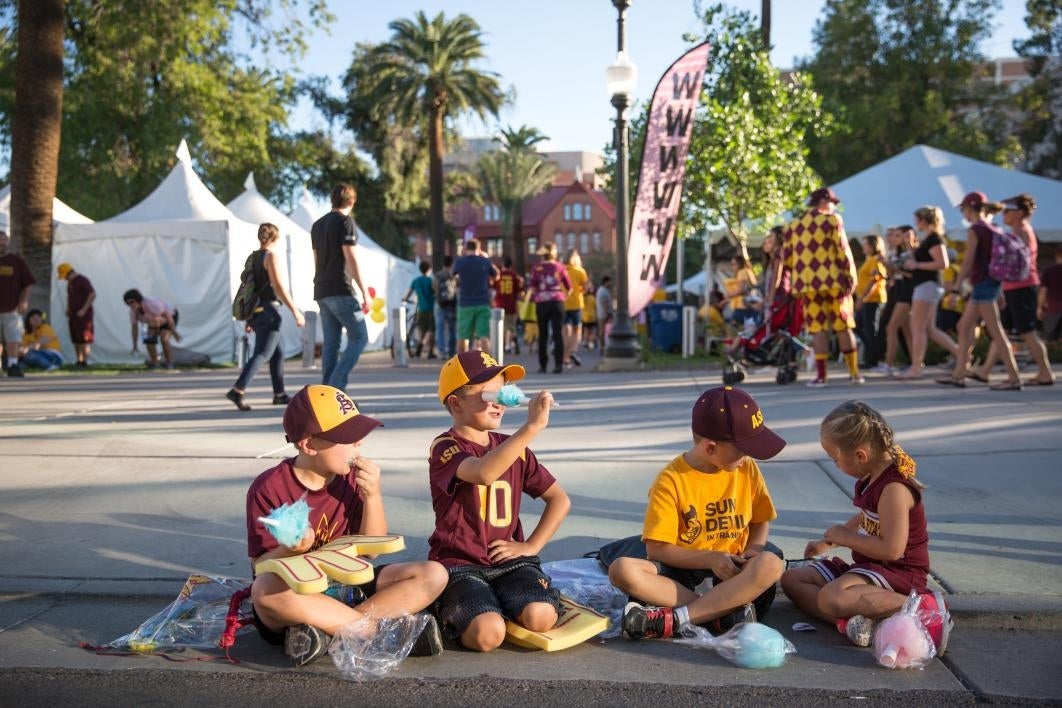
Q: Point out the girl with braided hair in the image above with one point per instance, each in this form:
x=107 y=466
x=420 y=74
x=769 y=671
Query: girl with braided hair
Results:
x=887 y=537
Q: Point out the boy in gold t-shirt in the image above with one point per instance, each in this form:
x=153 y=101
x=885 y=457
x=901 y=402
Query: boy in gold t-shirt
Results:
x=707 y=520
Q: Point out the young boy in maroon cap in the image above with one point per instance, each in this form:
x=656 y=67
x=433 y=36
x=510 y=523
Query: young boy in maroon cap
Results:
x=342 y=489
x=478 y=477
x=707 y=520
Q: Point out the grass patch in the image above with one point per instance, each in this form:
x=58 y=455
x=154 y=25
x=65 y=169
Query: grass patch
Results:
x=113 y=369
x=656 y=359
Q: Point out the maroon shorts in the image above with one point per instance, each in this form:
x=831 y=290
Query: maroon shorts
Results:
x=901 y=580
x=81 y=331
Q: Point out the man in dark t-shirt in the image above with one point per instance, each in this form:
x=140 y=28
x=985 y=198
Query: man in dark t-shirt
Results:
x=15 y=283
x=79 y=298
x=333 y=237
x=474 y=272
x=1049 y=298
x=508 y=287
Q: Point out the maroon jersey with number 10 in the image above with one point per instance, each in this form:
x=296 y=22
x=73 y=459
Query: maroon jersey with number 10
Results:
x=468 y=517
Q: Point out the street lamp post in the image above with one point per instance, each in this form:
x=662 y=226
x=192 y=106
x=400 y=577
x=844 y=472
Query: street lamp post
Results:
x=620 y=79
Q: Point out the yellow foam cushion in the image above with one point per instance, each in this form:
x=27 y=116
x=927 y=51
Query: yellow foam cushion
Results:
x=575 y=625
x=339 y=560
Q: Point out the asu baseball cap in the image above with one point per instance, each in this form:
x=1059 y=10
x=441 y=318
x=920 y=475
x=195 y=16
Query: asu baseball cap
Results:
x=328 y=413
x=473 y=367
x=973 y=199
x=728 y=414
x=823 y=193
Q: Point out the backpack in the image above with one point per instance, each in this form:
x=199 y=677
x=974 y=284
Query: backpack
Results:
x=246 y=300
x=1010 y=260
x=446 y=288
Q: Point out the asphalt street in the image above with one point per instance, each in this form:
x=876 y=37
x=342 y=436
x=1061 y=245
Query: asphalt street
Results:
x=113 y=489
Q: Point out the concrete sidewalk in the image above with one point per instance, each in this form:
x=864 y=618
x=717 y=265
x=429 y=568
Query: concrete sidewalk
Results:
x=115 y=488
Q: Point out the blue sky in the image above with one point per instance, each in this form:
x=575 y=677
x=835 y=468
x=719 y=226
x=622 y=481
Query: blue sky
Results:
x=554 y=52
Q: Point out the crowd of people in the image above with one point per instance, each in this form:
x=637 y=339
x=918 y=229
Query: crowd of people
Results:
x=906 y=292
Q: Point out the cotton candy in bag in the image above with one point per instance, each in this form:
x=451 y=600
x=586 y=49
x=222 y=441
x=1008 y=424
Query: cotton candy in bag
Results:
x=750 y=645
x=902 y=641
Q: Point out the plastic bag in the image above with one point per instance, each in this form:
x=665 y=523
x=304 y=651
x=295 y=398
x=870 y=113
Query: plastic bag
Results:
x=372 y=648
x=196 y=619
x=750 y=645
x=902 y=641
x=583 y=580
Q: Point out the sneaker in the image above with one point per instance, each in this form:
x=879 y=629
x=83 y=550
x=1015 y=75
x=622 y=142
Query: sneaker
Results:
x=576 y=360
x=857 y=380
x=305 y=643
x=641 y=622
x=281 y=399
x=15 y=371
x=817 y=383
x=936 y=619
x=237 y=398
x=151 y=365
x=721 y=624
x=858 y=629
x=429 y=643
x=882 y=369
x=169 y=366
x=82 y=365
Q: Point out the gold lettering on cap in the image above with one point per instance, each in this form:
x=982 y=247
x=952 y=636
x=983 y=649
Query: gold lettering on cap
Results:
x=488 y=360
x=757 y=419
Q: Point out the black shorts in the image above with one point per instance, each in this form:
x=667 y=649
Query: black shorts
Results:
x=690 y=578
x=505 y=589
x=1021 y=310
x=573 y=317
x=277 y=638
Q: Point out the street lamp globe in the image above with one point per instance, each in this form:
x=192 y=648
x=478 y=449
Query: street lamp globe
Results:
x=621 y=77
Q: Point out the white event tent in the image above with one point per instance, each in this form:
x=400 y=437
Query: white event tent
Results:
x=61 y=213
x=180 y=244
x=888 y=193
x=386 y=276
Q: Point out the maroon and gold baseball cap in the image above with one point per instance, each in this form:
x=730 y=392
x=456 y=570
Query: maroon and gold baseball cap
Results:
x=728 y=414
x=973 y=200
x=823 y=193
x=328 y=413
x=473 y=367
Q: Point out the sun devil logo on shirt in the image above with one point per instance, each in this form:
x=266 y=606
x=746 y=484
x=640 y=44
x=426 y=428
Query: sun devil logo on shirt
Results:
x=693 y=526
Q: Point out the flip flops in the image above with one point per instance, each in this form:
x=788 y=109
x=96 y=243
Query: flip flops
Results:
x=957 y=383
x=1007 y=386
x=1038 y=382
x=976 y=377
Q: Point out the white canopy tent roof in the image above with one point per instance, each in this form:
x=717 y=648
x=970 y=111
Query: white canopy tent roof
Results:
x=180 y=244
x=61 y=213
x=888 y=193
x=386 y=276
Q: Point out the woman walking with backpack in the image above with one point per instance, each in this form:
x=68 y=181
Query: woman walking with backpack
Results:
x=1021 y=319
x=977 y=211
x=271 y=288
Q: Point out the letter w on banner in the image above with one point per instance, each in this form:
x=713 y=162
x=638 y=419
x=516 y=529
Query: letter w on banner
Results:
x=656 y=204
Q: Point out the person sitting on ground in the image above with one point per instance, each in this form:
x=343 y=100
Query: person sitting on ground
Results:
x=888 y=537
x=478 y=477
x=79 y=298
x=422 y=287
x=707 y=520
x=161 y=321
x=40 y=344
x=342 y=488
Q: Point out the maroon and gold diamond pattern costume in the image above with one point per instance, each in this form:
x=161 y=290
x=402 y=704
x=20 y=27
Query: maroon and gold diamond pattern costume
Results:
x=814 y=249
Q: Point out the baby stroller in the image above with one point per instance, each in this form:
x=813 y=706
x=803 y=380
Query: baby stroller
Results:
x=776 y=342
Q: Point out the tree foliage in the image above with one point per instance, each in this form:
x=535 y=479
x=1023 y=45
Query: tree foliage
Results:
x=142 y=76
x=425 y=75
x=896 y=73
x=1040 y=125
x=748 y=160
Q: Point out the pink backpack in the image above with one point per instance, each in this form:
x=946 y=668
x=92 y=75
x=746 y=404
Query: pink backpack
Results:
x=1011 y=259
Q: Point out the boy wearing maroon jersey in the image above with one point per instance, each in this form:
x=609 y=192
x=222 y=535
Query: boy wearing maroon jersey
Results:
x=478 y=477
x=342 y=489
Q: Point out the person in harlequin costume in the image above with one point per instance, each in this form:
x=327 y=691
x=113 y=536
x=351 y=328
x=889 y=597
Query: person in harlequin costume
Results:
x=816 y=250
x=478 y=477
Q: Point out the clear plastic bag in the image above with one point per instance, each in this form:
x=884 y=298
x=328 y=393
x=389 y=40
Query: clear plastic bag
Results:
x=585 y=583
x=372 y=648
x=196 y=619
x=902 y=641
x=750 y=645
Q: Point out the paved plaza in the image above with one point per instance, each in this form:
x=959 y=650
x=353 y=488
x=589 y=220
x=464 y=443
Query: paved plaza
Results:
x=115 y=488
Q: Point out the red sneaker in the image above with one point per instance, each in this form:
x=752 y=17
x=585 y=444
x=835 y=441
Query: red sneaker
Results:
x=936 y=619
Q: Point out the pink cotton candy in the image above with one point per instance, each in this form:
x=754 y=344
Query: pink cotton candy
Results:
x=901 y=641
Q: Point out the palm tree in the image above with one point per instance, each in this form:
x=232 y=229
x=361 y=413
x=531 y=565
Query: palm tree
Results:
x=524 y=138
x=35 y=132
x=509 y=177
x=426 y=70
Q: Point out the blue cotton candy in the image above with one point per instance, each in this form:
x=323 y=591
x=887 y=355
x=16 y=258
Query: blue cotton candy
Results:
x=757 y=646
x=288 y=523
x=508 y=395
